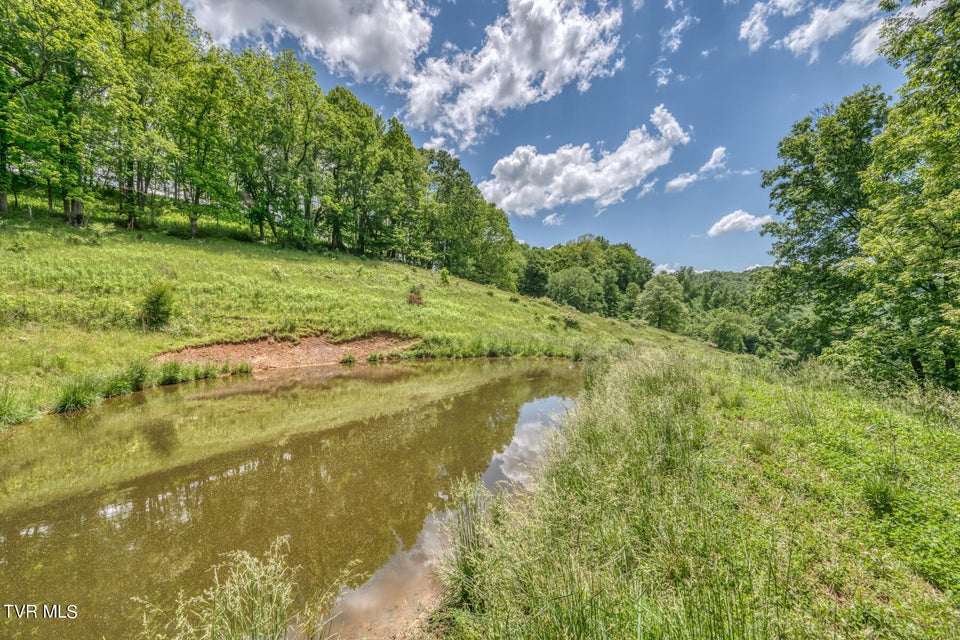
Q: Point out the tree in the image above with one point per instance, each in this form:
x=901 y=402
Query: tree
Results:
x=910 y=237
x=818 y=191
x=576 y=287
x=661 y=303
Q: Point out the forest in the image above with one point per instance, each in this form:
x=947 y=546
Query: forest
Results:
x=128 y=107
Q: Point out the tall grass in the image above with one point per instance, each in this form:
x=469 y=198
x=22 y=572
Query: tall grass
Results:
x=666 y=510
x=251 y=599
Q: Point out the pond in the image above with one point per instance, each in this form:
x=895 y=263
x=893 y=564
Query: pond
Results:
x=141 y=497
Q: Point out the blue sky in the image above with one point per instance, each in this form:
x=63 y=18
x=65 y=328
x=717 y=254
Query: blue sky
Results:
x=644 y=122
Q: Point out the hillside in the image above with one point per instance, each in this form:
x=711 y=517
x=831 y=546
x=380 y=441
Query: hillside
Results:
x=73 y=306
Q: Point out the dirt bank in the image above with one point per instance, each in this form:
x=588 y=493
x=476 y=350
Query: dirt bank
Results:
x=269 y=353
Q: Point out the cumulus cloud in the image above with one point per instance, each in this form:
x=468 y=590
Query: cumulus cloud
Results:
x=553 y=220
x=825 y=24
x=375 y=38
x=716 y=165
x=529 y=55
x=526 y=181
x=739 y=220
x=664 y=268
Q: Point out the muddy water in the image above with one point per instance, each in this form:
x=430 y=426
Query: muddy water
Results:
x=141 y=497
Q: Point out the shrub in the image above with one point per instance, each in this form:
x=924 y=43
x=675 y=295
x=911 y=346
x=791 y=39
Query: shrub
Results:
x=157 y=306
x=415 y=298
x=348 y=359
x=444 y=276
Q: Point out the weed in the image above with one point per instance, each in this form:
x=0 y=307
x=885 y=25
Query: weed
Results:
x=415 y=298
x=444 y=277
x=348 y=359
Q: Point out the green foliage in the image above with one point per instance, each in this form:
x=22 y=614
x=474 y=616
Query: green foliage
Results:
x=661 y=303
x=157 y=306
x=575 y=286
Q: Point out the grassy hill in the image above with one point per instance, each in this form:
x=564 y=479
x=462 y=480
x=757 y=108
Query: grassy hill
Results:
x=73 y=301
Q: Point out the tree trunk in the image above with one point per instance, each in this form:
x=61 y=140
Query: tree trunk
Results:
x=4 y=208
x=917 y=365
x=76 y=208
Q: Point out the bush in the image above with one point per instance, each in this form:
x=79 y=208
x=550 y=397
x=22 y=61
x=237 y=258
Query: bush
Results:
x=157 y=306
x=415 y=298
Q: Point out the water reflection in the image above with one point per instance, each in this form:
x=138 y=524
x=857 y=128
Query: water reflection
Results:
x=393 y=597
x=360 y=489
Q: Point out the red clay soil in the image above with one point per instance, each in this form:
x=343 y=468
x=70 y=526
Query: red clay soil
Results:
x=270 y=353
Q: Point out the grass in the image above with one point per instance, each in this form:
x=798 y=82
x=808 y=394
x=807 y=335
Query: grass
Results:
x=86 y=301
x=701 y=495
x=251 y=597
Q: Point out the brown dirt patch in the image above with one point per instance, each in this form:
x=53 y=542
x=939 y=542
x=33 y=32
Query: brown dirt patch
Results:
x=269 y=353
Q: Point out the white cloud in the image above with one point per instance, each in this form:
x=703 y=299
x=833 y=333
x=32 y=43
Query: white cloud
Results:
x=865 y=44
x=526 y=181
x=553 y=220
x=739 y=220
x=664 y=268
x=706 y=53
x=670 y=39
x=755 y=267
x=375 y=38
x=716 y=162
x=637 y=5
x=754 y=29
x=716 y=165
x=663 y=74
x=530 y=55
x=682 y=181
x=825 y=24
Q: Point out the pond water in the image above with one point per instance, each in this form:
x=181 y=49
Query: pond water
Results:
x=142 y=496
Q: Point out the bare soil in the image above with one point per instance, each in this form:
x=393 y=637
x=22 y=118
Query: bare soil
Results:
x=269 y=353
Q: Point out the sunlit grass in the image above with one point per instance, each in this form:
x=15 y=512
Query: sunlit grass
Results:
x=711 y=496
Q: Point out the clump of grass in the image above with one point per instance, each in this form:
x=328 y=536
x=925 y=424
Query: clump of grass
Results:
x=241 y=368
x=760 y=442
x=375 y=357
x=171 y=373
x=80 y=393
x=251 y=598
x=348 y=359
x=415 y=299
x=12 y=409
x=207 y=371
x=138 y=375
x=157 y=306
x=118 y=384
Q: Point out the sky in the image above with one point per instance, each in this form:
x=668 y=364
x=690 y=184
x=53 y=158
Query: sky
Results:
x=641 y=121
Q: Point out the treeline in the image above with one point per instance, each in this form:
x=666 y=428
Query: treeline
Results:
x=868 y=247
x=130 y=102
